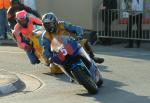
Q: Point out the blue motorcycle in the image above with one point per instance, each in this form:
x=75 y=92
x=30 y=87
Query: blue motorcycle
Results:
x=76 y=62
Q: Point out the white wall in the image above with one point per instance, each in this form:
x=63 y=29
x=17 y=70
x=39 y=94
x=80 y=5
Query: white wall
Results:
x=96 y=4
x=78 y=12
x=30 y=3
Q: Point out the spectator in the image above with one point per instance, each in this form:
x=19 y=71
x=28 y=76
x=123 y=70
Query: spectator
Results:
x=107 y=17
x=17 y=5
x=135 y=16
x=4 y=5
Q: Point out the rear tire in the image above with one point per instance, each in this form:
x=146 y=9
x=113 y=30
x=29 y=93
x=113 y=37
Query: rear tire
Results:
x=84 y=79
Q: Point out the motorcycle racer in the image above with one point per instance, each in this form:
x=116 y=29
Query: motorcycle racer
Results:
x=23 y=33
x=55 y=27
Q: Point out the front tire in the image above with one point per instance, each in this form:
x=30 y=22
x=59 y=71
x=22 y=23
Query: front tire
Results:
x=86 y=80
x=99 y=83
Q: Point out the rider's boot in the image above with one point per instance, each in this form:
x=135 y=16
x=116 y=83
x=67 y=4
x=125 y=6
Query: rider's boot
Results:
x=91 y=54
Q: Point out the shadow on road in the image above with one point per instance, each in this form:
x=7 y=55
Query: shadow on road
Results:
x=61 y=77
x=103 y=68
x=65 y=78
x=134 y=53
x=112 y=92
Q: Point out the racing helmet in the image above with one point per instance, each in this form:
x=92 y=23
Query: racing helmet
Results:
x=50 y=22
x=22 y=18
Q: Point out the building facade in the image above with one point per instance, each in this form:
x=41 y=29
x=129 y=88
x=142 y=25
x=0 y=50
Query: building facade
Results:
x=79 y=12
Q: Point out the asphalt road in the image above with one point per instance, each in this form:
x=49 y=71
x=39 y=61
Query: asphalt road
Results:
x=126 y=74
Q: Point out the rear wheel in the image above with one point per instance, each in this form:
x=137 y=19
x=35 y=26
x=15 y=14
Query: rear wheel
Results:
x=84 y=79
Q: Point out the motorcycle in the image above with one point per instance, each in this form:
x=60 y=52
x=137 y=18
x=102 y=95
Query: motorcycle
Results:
x=77 y=64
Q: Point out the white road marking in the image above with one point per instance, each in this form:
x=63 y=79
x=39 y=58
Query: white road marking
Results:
x=13 y=52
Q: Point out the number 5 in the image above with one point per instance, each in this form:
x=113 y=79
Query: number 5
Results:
x=64 y=51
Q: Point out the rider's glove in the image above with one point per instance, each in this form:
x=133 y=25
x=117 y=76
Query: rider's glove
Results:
x=79 y=37
x=48 y=62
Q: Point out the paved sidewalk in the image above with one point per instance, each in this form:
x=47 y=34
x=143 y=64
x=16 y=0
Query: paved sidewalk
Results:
x=9 y=82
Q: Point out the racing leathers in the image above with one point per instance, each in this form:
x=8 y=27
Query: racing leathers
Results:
x=63 y=28
x=23 y=37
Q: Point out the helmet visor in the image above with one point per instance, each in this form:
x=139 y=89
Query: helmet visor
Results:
x=23 y=22
x=50 y=27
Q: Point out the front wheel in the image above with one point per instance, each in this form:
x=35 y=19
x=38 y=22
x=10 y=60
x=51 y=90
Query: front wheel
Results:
x=99 y=83
x=85 y=79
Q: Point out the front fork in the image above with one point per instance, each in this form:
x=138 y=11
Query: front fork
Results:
x=91 y=65
x=95 y=72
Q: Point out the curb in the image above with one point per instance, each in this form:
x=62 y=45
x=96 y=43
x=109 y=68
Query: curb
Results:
x=13 y=83
x=23 y=77
x=7 y=43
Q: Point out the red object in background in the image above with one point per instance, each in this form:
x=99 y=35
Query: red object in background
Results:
x=146 y=20
x=123 y=21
